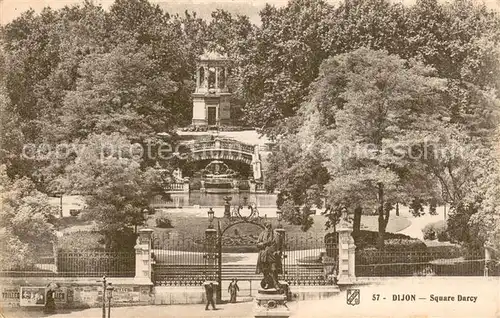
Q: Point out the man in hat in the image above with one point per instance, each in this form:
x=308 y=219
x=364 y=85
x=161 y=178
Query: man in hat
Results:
x=209 y=292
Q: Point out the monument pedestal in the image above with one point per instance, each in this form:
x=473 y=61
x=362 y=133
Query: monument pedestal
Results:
x=271 y=303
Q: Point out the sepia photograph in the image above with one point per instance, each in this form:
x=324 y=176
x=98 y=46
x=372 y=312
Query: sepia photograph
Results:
x=250 y=159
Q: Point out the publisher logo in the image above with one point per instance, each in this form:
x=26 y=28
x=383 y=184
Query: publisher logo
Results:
x=353 y=297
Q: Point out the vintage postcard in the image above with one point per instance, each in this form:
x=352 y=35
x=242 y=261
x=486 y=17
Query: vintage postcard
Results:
x=270 y=158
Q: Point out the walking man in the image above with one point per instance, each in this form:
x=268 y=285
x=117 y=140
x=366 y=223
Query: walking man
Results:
x=209 y=292
x=233 y=289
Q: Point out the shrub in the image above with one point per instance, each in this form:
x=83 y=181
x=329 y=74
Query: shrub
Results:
x=163 y=222
x=442 y=236
x=407 y=244
x=367 y=239
x=81 y=240
x=123 y=240
x=446 y=251
x=374 y=256
x=436 y=230
x=74 y=212
x=428 y=232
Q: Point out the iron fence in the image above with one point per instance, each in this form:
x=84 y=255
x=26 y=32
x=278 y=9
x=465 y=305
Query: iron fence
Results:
x=373 y=263
x=96 y=264
x=78 y=264
x=188 y=261
x=181 y=260
x=310 y=260
x=41 y=265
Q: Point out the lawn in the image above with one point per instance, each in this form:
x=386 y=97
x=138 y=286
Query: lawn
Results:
x=190 y=229
x=188 y=232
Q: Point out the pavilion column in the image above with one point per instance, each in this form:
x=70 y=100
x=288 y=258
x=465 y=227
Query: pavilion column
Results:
x=217 y=78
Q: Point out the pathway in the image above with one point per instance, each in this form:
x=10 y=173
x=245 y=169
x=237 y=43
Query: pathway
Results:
x=418 y=223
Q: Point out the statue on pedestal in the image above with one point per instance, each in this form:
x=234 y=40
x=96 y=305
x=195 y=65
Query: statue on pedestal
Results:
x=269 y=259
x=177 y=174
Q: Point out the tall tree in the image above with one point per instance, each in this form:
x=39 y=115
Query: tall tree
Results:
x=300 y=178
x=282 y=62
x=107 y=169
x=120 y=91
x=229 y=35
x=25 y=222
x=383 y=108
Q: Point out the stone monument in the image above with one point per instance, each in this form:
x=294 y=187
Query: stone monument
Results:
x=271 y=298
x=211 y=99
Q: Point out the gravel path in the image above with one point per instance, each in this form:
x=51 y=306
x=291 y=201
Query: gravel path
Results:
x=418 y=223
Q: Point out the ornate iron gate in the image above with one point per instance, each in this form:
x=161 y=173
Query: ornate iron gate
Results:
x=191 y=261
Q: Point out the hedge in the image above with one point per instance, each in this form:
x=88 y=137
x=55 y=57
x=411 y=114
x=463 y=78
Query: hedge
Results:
x=436 y=230
x=393 y=241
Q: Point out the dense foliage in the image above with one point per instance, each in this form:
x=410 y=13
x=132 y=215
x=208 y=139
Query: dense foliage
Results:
x=360 y=74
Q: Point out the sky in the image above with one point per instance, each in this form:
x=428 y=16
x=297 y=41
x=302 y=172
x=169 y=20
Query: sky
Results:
x=10 y=9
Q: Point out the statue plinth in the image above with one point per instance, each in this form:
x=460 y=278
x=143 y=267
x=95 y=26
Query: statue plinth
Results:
x=271 y=303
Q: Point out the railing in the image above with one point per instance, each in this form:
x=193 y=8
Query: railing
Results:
x=182 y=260
x=79 y=264
x=260 y=187
x=96 y=264
x=175 y=187
x=45 y=265
x=310 y=260
x=222 y=144
x=418 y=263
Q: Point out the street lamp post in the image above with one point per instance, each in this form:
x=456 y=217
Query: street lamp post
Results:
x=103 y=295
x=227 y=206
x=210 y=217
x=110 y=295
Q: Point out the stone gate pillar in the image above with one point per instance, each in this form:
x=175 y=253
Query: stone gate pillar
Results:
x=346 y=269
x=143 y=259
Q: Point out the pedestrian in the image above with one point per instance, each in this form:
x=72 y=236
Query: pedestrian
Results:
x=233 y=289
x=209 y=292
x=50 y=303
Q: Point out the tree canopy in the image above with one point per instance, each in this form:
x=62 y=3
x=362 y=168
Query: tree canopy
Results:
x=370 y=75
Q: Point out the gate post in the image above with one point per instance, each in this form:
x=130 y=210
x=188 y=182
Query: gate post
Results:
x=219 y=264
x=346 y=268
x=487 y=259
x=210 y=254
x=143 y=260
x=211 y=258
